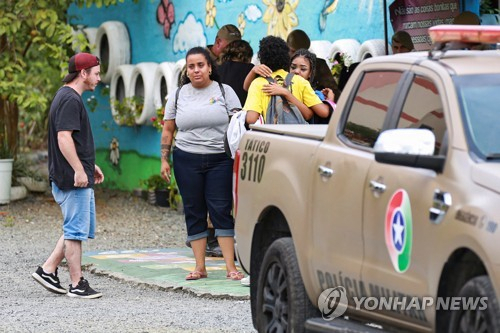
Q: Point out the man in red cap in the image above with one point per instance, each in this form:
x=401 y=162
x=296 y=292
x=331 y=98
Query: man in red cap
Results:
x=72 y=175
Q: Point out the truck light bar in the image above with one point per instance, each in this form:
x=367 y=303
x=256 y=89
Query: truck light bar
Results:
x=487 y=34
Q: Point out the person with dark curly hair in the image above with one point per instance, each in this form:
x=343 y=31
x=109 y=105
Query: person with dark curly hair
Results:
x=235 y=65
x=198 y=115
x=275 y=61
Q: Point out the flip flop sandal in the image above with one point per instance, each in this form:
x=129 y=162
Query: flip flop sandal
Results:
x=235 y=276
x=196 y=276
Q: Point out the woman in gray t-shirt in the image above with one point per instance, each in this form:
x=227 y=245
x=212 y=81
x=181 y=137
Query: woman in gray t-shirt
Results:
x=200 y=113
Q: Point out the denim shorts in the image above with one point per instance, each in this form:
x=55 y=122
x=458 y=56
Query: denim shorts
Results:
x=78 y=209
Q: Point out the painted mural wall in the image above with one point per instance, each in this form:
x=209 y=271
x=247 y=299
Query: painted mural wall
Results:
x=147 y=42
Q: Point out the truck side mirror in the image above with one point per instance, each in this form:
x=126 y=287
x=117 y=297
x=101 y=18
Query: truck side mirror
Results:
x=408 y=147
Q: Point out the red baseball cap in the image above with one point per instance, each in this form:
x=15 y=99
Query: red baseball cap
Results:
x=78 y=62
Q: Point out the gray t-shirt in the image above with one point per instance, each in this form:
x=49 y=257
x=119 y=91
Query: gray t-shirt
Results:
x=201 y=117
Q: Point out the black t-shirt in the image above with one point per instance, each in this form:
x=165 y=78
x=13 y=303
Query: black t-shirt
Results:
x=233 y=74
x=67 y=113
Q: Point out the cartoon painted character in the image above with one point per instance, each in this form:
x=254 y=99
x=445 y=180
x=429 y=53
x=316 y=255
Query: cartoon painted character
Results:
x=114 y=151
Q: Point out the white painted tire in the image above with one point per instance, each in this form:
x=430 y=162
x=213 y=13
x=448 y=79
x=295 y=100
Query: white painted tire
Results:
x=320 y=48
x=112 y=47
x=120 y=87
x=164 y=83
x=371 y=48
x=141 y=85
x=179 y=65
x=346 y=46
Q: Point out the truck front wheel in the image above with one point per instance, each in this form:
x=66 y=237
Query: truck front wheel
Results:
x=483 y=316
x=282 y=302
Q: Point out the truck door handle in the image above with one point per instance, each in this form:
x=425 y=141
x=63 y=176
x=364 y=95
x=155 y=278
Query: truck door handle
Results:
x=376 y=187
x=440 y=204
x=325 y=171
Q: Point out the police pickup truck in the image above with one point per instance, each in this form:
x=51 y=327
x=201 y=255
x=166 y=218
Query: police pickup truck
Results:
x=387 y=218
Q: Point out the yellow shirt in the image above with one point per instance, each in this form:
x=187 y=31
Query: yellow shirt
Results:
x=258 y=101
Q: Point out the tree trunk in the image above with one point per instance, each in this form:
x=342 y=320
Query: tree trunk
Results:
x=9 y=118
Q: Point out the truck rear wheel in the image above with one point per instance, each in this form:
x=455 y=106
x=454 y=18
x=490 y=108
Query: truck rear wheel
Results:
x=481 y=318
x=282 y=302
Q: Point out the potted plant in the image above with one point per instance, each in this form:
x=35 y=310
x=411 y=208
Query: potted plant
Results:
x=19 y=168
x=6 y=161
x=25 y=173
x=158 y=190
x=126 y=111
x=158 y=120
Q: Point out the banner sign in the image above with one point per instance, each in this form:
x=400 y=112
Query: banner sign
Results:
x=416 y=16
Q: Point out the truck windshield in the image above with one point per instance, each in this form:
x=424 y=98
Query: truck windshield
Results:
x=479 y=96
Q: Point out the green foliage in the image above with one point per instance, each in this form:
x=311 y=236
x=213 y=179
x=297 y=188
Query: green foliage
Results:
x=8 y=221
x=4 y=148
x=340 y=61
x=24 y=167
x=487 y=7
x=158 y=120
x=92 y=103
x=98 y=3
x=35 y=44
x=155 y=182
x=361 y=134
x=128 y=109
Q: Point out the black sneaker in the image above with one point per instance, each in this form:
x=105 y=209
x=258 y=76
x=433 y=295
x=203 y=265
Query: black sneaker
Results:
x=48 y=281
x=83 y=290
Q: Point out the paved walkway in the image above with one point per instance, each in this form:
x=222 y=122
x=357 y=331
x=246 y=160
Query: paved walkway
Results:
x=166 y=268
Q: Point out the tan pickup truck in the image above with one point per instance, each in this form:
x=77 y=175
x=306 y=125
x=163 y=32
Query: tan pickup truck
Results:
x=387 y=218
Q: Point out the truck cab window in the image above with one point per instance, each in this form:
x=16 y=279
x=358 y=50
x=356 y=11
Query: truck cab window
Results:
x=370 y=106
x=423 y=109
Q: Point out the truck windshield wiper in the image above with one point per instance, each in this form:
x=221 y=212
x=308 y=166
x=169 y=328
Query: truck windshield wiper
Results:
x=494 y=156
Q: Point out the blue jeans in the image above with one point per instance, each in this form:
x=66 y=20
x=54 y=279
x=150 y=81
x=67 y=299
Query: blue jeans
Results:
x=205 y=185
x=78 y=209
